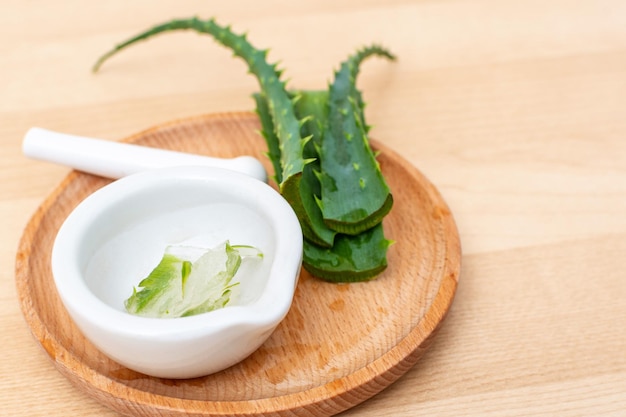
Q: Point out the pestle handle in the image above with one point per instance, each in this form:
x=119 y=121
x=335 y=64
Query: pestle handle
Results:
x=115 y=160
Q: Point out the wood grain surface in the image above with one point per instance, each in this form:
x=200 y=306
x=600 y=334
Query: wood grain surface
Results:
x=515 y=111
x=339 y=344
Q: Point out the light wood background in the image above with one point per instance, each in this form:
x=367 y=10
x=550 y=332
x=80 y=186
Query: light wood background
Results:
x=515 y=110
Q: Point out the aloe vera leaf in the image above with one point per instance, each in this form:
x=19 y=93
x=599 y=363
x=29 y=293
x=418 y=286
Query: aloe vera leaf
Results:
x=354 y=193
x=351 y=259
x=313 y=226
x=281 y=109
x=311 y=108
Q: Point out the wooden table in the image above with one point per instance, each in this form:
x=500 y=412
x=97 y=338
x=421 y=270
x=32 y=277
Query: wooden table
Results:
x=516 y=111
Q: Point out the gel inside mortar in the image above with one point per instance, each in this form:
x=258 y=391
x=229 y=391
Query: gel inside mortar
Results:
x=123 y=256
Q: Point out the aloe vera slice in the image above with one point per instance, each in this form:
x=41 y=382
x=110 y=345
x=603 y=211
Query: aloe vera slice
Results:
x=354 y=193
x=181 y=285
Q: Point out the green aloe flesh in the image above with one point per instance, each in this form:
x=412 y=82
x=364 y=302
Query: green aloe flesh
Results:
x=317 y=143
x=354 y=193
x=181 y=286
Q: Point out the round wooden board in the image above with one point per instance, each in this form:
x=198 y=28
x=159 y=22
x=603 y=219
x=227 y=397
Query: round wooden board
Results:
x=339 y=345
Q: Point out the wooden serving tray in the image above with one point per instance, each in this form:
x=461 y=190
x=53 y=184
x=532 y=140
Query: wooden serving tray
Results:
x=339 y=345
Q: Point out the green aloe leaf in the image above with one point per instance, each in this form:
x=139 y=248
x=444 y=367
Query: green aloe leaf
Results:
x=354 y=193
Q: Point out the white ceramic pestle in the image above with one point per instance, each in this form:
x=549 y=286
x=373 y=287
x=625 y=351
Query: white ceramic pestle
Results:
x=116 y=160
